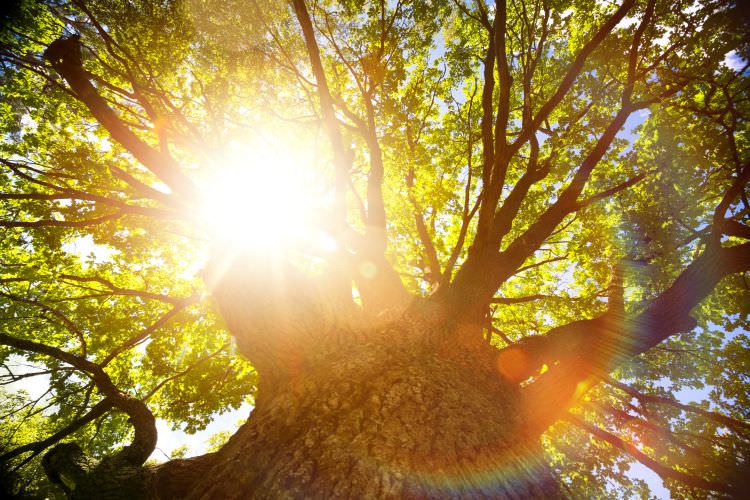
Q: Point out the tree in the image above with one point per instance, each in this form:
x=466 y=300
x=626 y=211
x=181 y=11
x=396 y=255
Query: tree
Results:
x=445 y=248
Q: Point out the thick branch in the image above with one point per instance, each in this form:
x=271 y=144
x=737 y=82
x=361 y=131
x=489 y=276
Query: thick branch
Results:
x=737 y=187
x=424 y=235
x=504 y=217
x=521 y=300
x=488 y=145
x=376 y=217
x=593 y=348
x=501 y=159
x=634 y=49
x=65 y=56
x=342 y=156
x=383 y=289
x=505 y=84
x=141 y=417
x=484 y=271
x=731 y=227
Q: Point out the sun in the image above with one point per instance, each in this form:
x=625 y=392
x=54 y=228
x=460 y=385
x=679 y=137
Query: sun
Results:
x=262 y=196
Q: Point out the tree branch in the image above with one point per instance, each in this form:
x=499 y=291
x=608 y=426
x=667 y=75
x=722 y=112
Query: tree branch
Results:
x=141 y=417
x=611 y=191
x=484 y=272
x=67 y=322
x=737 y=187
x=572 y=74
x=662 y=470
x=732 y=423
x=589 y=349
x=424 y=236
x=145 y=333
x=64 y=55
x=37 y=447
x=116 y=290
x=342 y=155
x=62 y=223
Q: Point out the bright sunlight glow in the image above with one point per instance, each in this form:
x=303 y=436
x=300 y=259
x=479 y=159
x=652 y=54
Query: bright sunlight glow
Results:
x=263 y=196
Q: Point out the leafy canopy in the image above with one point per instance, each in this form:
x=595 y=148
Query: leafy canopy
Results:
x=102 y=258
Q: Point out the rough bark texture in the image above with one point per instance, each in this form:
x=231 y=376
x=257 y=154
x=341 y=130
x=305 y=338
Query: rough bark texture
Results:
x=384 y=416
x=411 y=403
x=354 y=406
x=405 y=404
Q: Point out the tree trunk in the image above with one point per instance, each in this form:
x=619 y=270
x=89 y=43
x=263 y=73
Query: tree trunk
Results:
x=383 y=415
x=405 y=404
x=408 y=403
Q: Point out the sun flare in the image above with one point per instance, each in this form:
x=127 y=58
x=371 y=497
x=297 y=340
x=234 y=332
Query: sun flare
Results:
x=262 y=196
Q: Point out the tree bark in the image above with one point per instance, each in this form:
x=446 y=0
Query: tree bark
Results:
x=384 y=409
x=385 y=415
x=409 y=404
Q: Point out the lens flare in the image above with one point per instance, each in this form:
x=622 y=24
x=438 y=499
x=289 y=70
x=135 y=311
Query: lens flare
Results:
x=263 y=195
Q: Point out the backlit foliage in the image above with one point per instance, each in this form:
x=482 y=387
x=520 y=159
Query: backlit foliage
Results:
x=121 y=284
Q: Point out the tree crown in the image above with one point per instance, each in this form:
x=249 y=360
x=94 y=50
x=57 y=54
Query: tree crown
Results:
x=542 y=170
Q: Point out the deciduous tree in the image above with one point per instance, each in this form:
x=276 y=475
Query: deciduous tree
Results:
x=445 y=249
